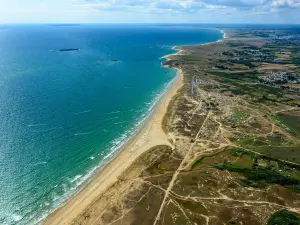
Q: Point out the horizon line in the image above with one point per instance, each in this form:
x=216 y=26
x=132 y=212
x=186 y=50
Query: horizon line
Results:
x=124 y=23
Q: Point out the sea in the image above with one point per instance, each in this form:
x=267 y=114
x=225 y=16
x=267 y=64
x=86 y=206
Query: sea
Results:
x=65 y=114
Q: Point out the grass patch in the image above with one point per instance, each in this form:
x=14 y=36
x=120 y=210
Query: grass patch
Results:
x=237 y=76
x=278 y=122
x=238 y=152
x=261 y=177
x=235 y=44
x=198 y=162
x=287 y=153
x=244 y=161
x=284 y=217
x=239 y=114
x=292 y=123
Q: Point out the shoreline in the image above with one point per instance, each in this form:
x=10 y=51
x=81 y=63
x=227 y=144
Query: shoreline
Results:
x=150 y=135
x=225 y=35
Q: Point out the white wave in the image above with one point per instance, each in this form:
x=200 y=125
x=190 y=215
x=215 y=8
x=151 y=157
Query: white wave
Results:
x=16 y=218
x=37 y=125
x=120 y=122
x=39 y=163
x=4 y=139
x=87 y=111
x=76 y=178
x=116 y=112
x=82 y=134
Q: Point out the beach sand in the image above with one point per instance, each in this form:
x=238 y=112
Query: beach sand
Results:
x=149 y=136
x=225 y=36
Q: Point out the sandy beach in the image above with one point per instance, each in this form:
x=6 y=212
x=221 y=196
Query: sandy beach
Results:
x=150 y=135
x=225 y=36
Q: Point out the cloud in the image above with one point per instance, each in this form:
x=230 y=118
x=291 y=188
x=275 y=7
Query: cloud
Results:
x=223 y=11
x=212 y=8
x=286 y=4
x=180 y=5
x=160 y=5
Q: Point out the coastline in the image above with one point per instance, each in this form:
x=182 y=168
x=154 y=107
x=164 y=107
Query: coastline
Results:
x=150 y=135
x=225 y=35
x=163 y=185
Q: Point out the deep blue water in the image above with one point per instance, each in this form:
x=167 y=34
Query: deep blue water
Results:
x=63 y=114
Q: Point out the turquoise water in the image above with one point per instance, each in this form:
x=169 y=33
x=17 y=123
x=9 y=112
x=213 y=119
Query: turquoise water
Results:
x=64 y=114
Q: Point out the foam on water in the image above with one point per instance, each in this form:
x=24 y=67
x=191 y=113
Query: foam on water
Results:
x=16 y=218
x=76 y=178
x=39 y=163
x=78 y=134
x=83 y=112
x=37 y=125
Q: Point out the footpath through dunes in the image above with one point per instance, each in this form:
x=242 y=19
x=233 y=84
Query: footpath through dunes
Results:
x=219 y=168
x=91 y=196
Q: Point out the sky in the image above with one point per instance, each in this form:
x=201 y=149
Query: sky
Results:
x=150 y=11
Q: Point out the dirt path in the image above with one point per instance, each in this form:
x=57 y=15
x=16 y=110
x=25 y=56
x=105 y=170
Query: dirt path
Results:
x=174 y=178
